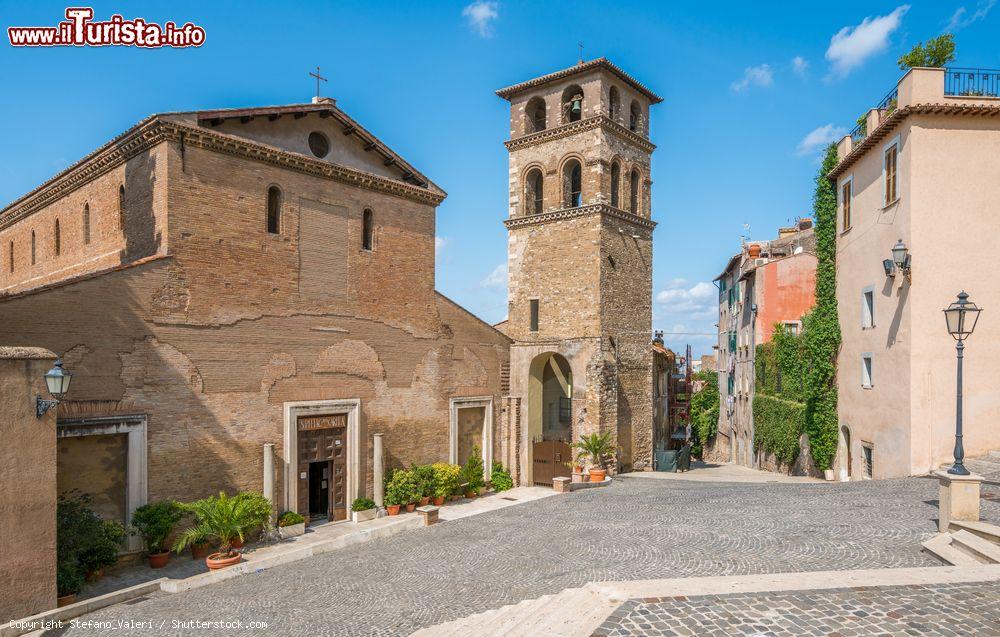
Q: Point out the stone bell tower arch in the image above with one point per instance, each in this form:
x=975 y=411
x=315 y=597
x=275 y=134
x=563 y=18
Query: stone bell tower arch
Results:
x=580 y=265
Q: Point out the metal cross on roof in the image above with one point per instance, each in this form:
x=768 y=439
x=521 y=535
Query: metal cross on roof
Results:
x=318 y=79
x=580 y=44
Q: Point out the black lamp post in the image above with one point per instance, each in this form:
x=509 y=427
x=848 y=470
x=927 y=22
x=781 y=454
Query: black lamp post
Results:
x=57 y=381
x=961 y=317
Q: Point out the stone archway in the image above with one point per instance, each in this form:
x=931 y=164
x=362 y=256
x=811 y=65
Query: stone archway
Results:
x=550 y=421
x=844 y=454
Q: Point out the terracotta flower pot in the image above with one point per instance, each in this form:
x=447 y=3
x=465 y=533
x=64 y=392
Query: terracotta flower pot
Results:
x=158 y=560
x=393 y=509
x=200 y=551
x=470 y=494
x=93 y=576
x=424 y=501
x=598 y=475
x=438 y=500
x=410 y=506
x=65 y=600
x=754 y=250
x=455 y=496
x=236 y=543
x=215 y=561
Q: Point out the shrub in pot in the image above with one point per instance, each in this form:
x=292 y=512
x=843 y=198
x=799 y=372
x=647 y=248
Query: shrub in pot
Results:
x=399 y=491
x=500 y=478
x=597 y=448
x=423 y=476
x=472 y=473
x=259 y=513
x=103 y=551
x=363 y=509
x=155 y=522
x=446 y=478
x=223 y=519
x=291 y=524
x=69 y=582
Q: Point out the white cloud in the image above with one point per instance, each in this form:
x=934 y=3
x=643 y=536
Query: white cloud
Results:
x=480 y=16
x=754 y=76
x=819 y=138
x=960 y=19
x=851 y=46
x=800 y=65
x=698 y=301
x=497 y=278
x=439 y=244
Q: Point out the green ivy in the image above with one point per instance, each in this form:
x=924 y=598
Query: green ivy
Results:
x=778 y=425
x=779 y=407
x=704 y=410
x=821 y=326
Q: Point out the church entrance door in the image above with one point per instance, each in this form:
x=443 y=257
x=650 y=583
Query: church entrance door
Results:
x=551 y=418
x=322 y=461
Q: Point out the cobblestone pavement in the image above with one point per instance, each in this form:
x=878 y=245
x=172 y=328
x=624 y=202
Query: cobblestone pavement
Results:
x=922 y=611
x=635 y=529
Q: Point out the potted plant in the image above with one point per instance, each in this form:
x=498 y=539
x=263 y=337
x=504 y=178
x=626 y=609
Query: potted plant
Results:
x=597 y=447
x=154 y=522
x=363 y=509
x=259 y=513
x=103 y=549
x=500 y=478
x=291 y=524
x=577 y=468
x=423 y=475
x=201 y=544
x=69 y=582
x=445 y=481
x=223 y=519
x=399 y=491
x=473 y=472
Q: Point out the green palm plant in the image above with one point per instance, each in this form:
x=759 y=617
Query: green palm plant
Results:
x=222 y=518
x=595 y=447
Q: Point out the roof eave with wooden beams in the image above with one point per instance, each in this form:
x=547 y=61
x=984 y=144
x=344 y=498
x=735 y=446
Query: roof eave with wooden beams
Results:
x=577 y=69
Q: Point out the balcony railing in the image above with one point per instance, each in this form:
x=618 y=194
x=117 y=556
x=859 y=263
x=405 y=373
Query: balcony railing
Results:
x=972 y=82
x=885 y=108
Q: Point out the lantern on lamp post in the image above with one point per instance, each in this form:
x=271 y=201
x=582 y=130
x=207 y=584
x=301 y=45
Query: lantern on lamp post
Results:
x=57 y=381
x=960 y=317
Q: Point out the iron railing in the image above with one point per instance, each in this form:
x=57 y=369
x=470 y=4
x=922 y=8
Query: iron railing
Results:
x=972 y=82
x=885 y=108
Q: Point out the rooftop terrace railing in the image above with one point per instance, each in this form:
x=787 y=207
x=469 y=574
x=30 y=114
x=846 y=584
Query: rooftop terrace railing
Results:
x=960 y=82
x=884 y=108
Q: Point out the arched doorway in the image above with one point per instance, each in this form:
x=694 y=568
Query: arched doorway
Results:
x=550 y=417
x=844 y=453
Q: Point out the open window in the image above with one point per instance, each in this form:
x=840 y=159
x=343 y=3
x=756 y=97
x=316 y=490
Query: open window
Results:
x=367 y=230
x=616 y=183
x=614 y=103
x=635 y=117
x=534 y=116
x=533 y=192
x=572 y=104
x=274 y=210
x=633 y=192
x=572 y=184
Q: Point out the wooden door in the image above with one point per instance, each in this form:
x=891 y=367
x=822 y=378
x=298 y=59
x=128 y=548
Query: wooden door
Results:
x=324 y=438
x=548 y=461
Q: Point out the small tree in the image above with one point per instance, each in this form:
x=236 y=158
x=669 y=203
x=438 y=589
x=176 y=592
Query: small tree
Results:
x=473 y=471
x=704 y=412
x=936 y=53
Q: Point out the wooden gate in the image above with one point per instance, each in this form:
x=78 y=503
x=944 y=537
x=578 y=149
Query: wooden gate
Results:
x=324 y=438
x=548 y=461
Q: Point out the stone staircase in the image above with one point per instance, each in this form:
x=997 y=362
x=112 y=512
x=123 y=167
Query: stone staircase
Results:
x=967 y=544
x=575 y=612
x=987 y=466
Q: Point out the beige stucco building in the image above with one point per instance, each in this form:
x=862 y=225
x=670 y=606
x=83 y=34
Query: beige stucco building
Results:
x=924 y=168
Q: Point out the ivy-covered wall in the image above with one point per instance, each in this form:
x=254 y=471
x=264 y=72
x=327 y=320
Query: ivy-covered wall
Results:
x=704 y=410
x=821 y=326
x=779 y=399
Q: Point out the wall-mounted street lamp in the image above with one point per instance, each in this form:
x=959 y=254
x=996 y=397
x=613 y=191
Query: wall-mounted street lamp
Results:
x=57 y=381
x=901 y=257
x=961 y=317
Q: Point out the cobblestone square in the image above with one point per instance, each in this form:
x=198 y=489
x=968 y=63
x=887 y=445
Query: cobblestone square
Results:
x=635 y=529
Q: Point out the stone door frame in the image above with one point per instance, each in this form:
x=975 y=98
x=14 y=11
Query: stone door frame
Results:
x=487 y=441
x=136 y=482
x=292 y=411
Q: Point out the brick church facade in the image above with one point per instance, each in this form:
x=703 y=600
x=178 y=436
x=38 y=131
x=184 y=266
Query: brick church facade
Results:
x=221 y=281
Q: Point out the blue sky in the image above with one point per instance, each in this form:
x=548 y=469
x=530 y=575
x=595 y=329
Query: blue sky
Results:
x=752 y=91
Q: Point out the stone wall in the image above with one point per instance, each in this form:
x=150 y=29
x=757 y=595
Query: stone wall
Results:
x=27 y=486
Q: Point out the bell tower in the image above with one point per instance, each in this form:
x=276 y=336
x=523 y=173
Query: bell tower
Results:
x=580 y=266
